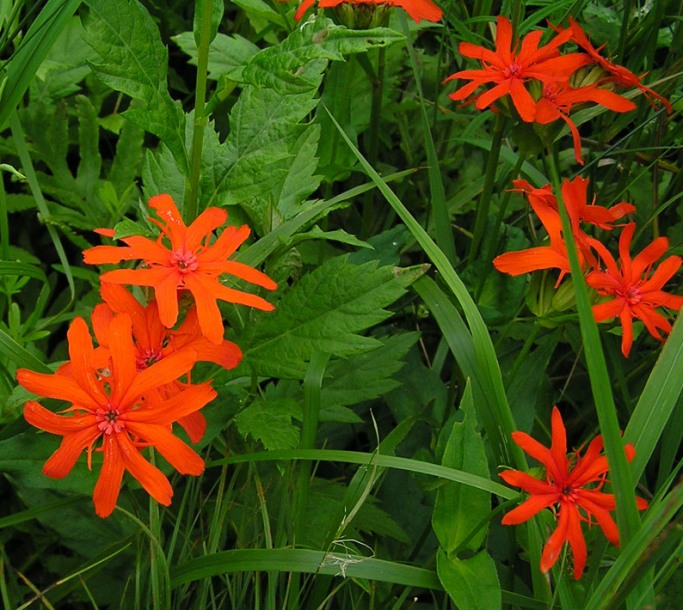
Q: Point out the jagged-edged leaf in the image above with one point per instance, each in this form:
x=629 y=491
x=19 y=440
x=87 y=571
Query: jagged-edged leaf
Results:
x=270 y=422
x=226 y=53
x=285 y=67
x=324 y=312
x=366 y=376
x=133 y=60
x=268 y=155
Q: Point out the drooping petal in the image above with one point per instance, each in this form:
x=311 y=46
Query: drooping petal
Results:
x=576 y=540
x=175 y=451
x=108 y=484
x=553 y=547
x=166 y=296
x=60 y=463
x=153 y=481
x=194 y=425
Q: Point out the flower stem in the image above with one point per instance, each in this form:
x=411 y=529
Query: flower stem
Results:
x=627 y=513
x=200 y=119
x=489 y=182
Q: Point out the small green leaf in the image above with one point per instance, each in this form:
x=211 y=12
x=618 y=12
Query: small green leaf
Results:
x=471 y=583
x=226 y=53
x=270 y=422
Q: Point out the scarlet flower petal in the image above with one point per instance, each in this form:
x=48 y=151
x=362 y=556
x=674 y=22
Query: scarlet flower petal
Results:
x=529 y=508
x=153 y=481
x=60 y=463
x=175 y=451
x=108 y=484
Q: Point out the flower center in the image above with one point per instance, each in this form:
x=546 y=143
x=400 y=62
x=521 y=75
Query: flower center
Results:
x=550 y=92
x=513 y=71
x=568 y=493
x=185 y=260
x=108 y=420
x=631 y=294
x=146 y=357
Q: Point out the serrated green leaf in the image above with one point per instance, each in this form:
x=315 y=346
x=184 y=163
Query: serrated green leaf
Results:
x=293 y=66
x=324 y=312
x=366 y=376
x=270 y=423
x=268 y=146
x=128 y=227
x=471 y=583
x=338 y=235
x=226 y=53
x=161 y=174
x=134 y=61
x=459 y=510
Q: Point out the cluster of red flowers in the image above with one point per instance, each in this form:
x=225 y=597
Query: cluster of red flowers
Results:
x=544 y=85
x=571 y=489
x=127 y=393
x=634 y=286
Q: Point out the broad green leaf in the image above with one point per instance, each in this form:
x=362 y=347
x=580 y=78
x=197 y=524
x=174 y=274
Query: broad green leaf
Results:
x=459 y=510
x=161 y=174
x=270 y=423
x=471 y=583
x=290 y=67
x=324 y=312
x=226 y=53
x=269 y=155
x=133 y=60
x=366 y=376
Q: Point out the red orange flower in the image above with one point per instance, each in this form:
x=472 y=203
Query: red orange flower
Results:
x=154 y=342
x=636 y=289
x=509 y=69
x=572 y=489
x=617 y=74
x=557 y=101
x=191 y=263
x=554 y=255
x=108 y=406
x=417 y=9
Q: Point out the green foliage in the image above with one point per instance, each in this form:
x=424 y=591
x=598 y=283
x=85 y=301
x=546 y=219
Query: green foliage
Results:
x=134 y=61
x=348 y=299
x=351 y=456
